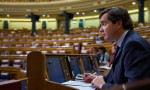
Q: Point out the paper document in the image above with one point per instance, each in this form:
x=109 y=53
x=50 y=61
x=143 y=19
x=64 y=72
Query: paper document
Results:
x=79 y=84
x=105 y=67
x=79 y=77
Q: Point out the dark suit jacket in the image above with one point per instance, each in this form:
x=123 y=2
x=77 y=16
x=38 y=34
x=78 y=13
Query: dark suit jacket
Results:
x=132 y=61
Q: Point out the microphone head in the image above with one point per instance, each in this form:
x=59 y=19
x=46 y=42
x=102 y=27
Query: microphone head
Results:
x=50 y=62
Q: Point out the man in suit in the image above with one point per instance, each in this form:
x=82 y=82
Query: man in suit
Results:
x=132 y=57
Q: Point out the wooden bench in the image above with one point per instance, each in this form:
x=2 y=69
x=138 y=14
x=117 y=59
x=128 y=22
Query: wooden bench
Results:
x=15 y=73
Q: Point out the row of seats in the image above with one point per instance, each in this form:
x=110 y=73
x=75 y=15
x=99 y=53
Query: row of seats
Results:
x=16 y=63
x=68 y=66
x=45 y=39
x=12 y=67
x=45 y=43
x=26 y=50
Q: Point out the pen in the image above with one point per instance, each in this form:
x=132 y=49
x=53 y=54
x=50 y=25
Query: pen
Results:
x=97 y=72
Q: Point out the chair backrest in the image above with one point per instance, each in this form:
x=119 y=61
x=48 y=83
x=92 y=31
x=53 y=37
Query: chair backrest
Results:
x=94 y=62
x=56 y=67
x=36 y=74
x=75 y=65
x=87 y=63
x=19 y=52
x=4 y=76
x=19 y=45
x=5 y=62
x=17 y=63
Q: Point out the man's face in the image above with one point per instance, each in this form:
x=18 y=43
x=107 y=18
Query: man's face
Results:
x=108 y=29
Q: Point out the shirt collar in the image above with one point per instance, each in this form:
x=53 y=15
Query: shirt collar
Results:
x=121 y=38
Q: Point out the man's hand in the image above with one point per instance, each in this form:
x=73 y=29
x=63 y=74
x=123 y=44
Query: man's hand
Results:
x=88 y=78
x=98 y=82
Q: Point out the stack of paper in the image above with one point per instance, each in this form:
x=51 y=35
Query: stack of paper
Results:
x=79 y=84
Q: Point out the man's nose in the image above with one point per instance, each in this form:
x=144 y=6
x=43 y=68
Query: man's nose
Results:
x=100 y=30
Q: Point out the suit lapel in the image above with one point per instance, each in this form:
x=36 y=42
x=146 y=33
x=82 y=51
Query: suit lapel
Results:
x=119 y=54
x=120 y=49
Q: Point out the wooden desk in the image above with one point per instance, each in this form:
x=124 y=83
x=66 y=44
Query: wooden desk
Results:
x=15 y=73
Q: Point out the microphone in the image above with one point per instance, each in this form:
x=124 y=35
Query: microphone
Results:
x=50 y=62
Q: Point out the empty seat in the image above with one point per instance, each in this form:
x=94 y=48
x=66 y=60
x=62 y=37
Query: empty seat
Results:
x=27 y=45
x=27 y=52
x=5 y=62
x=29 y=40
x=19 y=45
x=17 y=63
x=37 y=39
x=19 y=52
x=22 y=40
x=67 y=39
x=44 y=52
x=6 y=45
x=6 y=40
x=85 y=43
x=12 y=40
x=67 y=44
x=54 y=52
x=61 y=39
x=54 y=39
x=45 y=39
x=62 y=51
x=75 y=65
x=84 y=52
x=4 y=77
x=10 y=35
x=56 y=68
x=18 y=35
x=45 y=45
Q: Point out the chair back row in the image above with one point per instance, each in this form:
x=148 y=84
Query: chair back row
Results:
x=62 y=68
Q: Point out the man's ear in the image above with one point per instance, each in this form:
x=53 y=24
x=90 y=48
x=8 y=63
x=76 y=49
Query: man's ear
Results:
x=119 y=23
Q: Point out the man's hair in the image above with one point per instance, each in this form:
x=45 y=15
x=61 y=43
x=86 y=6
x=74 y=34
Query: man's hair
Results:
x=118 y=13
x=102 y=48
